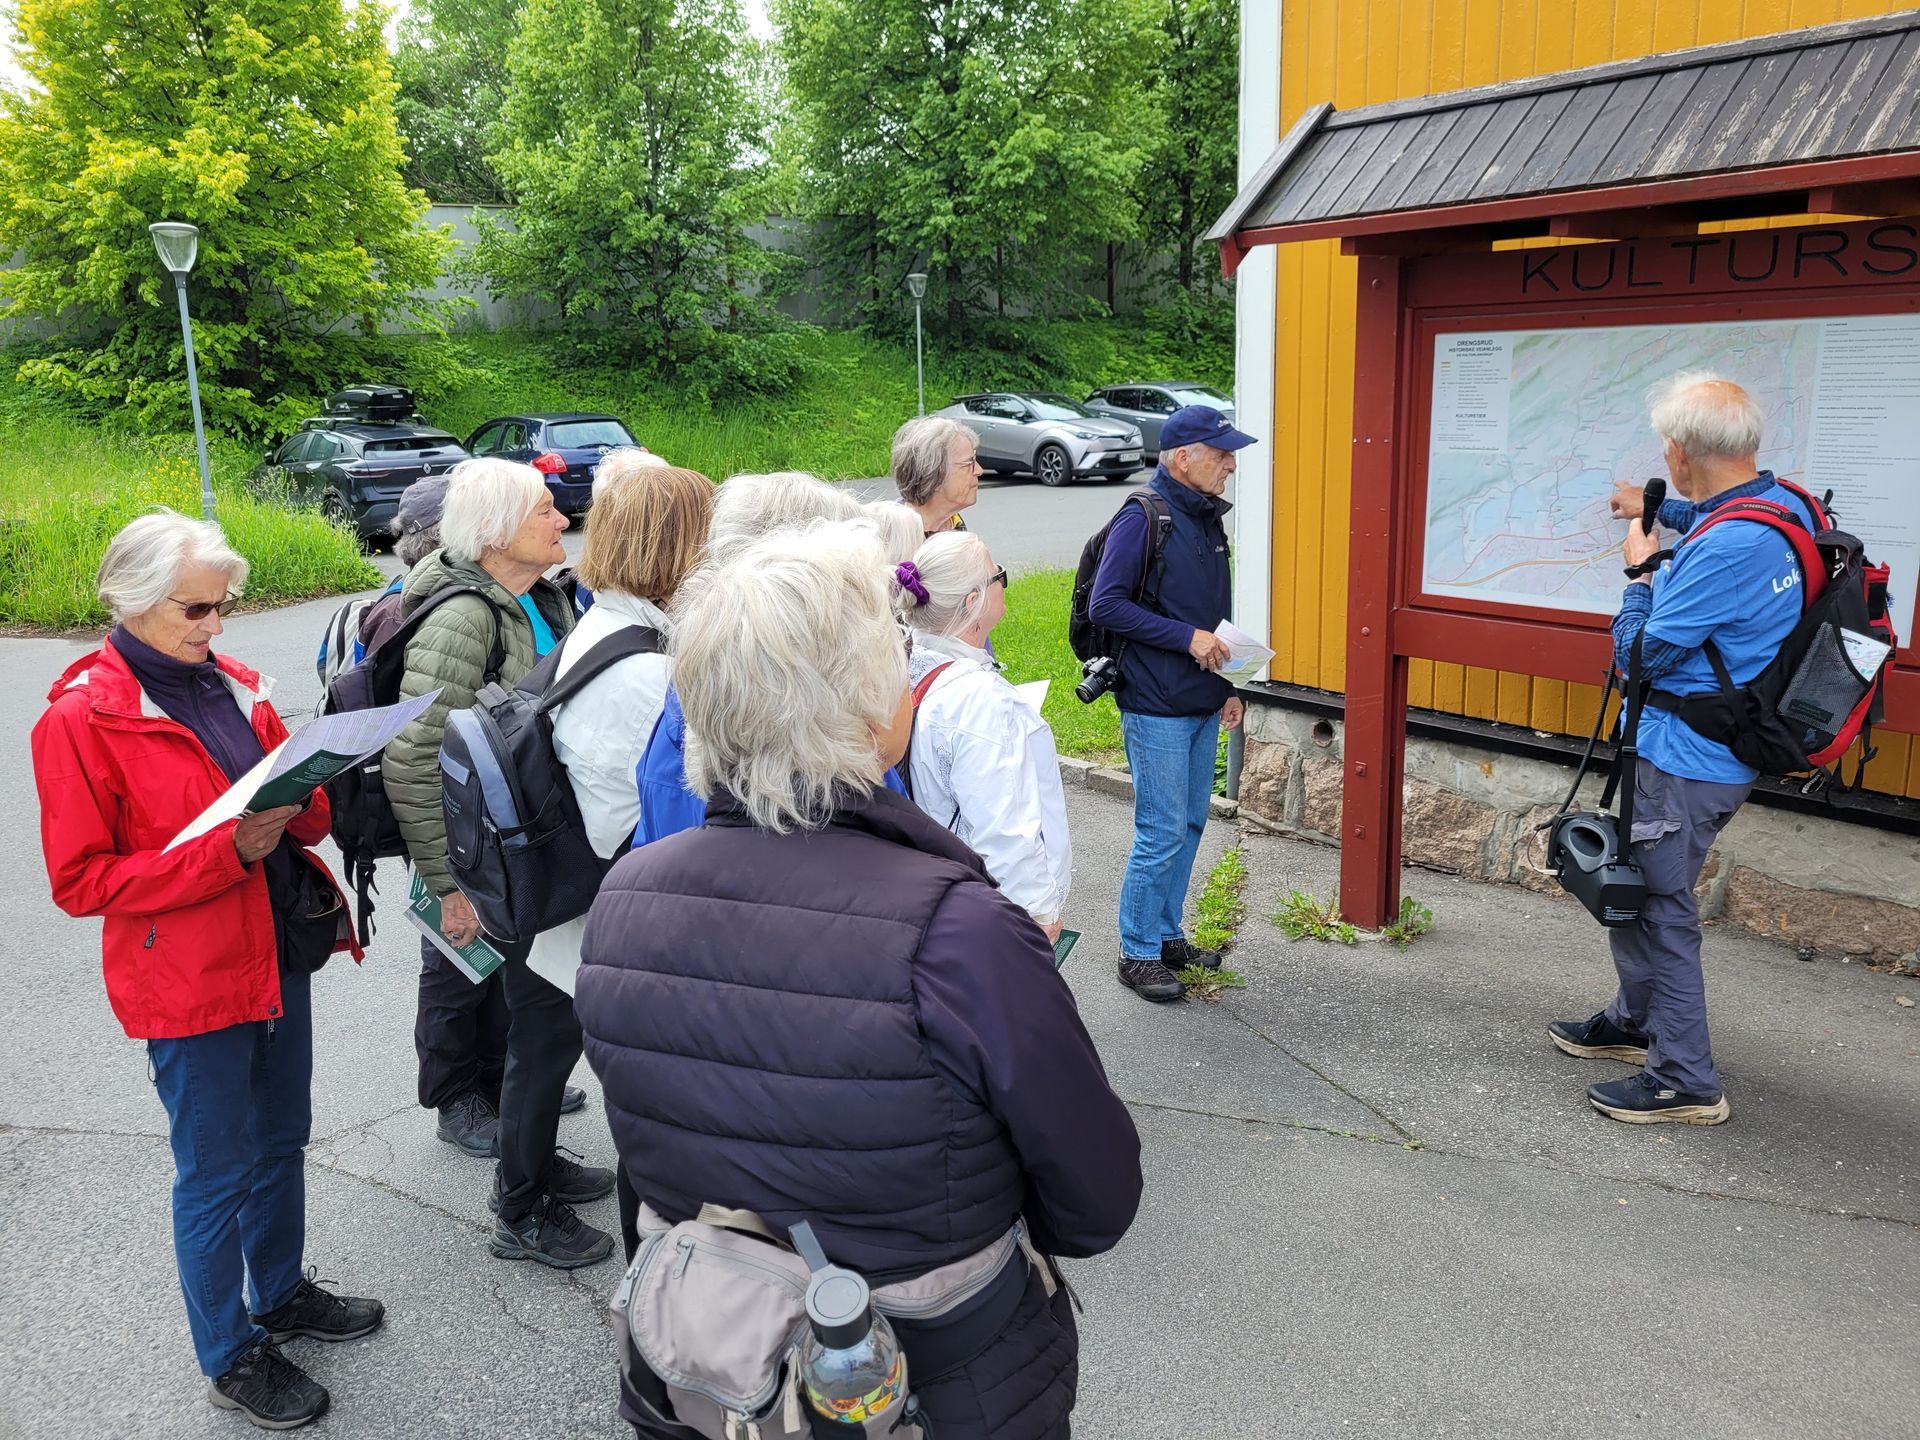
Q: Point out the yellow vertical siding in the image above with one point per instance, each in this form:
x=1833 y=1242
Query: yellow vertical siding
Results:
x=1362 y=52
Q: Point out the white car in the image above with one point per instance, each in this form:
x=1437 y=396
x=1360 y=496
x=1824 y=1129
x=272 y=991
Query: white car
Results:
x=1052 y=437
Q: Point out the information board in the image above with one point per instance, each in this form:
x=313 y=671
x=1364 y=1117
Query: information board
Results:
x=1531 y=428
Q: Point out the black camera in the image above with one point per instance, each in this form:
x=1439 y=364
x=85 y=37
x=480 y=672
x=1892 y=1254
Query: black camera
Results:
x=1584 y=850
x=1099 y=675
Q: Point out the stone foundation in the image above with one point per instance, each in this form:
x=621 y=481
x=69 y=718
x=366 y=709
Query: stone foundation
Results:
x=1816 y=882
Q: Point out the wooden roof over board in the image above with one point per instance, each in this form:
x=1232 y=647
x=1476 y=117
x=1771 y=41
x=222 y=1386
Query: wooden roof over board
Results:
x=1812 y=121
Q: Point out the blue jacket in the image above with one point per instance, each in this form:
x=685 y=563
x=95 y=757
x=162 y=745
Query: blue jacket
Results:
x=853 y=1026
x=667 y=806
x=1195 y=592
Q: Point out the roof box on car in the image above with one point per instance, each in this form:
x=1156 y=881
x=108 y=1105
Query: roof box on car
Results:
x=378 y=404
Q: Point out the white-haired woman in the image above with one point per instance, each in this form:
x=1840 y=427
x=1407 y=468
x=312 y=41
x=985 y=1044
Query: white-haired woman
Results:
x=818 y=1007
x=983 y=762
x=494 y=1057
x=898 y=527
x=936 y=468
x=746 y=508
x=208 y=946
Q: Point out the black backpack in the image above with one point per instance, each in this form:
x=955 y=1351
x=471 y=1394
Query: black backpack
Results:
x=1815 y=697
x=364 y=825
x=516 y=844
x=1087 y=639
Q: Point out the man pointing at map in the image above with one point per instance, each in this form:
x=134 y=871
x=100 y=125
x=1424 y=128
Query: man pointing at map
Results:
x=1736 y=586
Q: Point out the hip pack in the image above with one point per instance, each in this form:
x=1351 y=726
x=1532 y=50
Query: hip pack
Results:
x=716 y=1309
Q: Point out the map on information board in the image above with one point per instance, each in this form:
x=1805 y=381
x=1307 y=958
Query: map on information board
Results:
x=1531 y=428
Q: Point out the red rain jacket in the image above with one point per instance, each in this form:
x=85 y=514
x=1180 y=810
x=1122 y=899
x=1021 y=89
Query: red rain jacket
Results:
x=188 y=943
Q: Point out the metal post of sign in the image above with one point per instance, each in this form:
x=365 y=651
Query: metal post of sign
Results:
x=917 y=284
x=178 y=243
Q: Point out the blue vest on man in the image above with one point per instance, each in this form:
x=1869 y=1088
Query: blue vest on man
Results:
x=1193 y=591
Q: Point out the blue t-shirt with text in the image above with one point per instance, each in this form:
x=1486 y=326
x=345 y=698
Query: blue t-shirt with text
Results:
x=1739 y=584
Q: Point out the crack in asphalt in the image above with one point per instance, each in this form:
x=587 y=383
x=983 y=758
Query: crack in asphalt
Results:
x=1407 y=1136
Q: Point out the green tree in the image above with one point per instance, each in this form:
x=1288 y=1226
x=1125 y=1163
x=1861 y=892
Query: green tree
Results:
x=268 y=123
x=1189 y=177
x=635 y=180
x=994 y=143
x=451 y=65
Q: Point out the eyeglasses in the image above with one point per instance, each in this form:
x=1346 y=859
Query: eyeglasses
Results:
x=906 y=639
x=972 y=462
x=201 y=609
x=999 y=578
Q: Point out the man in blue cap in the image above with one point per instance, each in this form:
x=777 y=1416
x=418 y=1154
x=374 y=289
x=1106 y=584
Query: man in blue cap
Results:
x=1164 y=607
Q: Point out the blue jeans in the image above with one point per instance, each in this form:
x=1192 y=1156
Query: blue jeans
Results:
x=1171 y=757
x=239 y=1108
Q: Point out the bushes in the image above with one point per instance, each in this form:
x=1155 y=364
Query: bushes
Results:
x=66 y=488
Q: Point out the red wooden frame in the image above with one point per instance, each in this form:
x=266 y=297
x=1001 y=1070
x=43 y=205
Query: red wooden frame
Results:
x=1404 y=303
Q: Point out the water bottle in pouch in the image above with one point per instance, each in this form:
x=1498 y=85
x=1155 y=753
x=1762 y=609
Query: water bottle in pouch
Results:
x=852 y=1368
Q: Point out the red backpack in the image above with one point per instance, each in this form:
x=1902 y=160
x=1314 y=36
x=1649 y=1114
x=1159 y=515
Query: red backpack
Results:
x=1825 y=688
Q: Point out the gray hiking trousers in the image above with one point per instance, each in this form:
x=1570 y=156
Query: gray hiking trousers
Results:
x=1662 y=992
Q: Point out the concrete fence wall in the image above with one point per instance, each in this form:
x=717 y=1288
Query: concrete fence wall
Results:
x=1825 y=884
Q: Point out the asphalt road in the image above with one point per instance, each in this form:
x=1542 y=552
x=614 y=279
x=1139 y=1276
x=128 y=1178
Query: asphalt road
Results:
x=1377 y=1204
x=1027 y=525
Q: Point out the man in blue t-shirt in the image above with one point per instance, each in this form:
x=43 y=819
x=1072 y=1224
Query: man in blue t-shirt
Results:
x=1737 y=585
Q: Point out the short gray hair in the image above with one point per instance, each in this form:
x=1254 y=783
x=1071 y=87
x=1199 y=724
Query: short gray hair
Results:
x=900 y=530
x=786 y=658
x=487 y=500
x=955 y=570
x=147 y=558
x=1708 y=416
x=751 y=506
x=922 y=454
x=619 y=463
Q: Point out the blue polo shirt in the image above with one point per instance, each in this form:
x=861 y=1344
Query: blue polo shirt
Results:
x=1739 y=584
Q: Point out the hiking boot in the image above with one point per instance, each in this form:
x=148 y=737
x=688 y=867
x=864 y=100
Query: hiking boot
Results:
x=570 y=1181
x=1598 y=1039
x=572 y=1099
x=471 y=1124
x=552 y=1233
x=320 y=1314
x=269 y=1389
x=1642 y=1100
x=1150 y=980
x=1177 y=955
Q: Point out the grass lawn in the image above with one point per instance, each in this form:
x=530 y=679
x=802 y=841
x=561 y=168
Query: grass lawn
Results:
x=1032 y=643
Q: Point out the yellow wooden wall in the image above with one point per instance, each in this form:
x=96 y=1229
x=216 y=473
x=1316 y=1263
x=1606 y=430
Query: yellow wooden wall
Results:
x=1361 y=52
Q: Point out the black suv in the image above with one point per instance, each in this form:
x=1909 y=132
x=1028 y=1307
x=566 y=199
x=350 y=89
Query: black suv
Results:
x=354 y=470
x=564 y=446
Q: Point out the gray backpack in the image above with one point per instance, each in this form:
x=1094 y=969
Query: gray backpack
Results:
x=716 y=1308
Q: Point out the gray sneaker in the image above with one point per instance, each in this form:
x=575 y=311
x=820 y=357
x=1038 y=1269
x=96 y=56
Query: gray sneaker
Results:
x=471 y=1125
x=552 y=1233
x=269 y=1389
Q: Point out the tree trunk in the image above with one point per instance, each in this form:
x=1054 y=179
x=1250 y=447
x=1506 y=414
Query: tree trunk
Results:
x=1112 y=267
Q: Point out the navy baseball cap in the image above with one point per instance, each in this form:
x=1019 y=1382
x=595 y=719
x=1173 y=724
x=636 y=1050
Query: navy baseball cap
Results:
x=1202 y=425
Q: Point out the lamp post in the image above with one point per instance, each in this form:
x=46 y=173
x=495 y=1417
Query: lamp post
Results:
x=178 y=244
x=917 y=287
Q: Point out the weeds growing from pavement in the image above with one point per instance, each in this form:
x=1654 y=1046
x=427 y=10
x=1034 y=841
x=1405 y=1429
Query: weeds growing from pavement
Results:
x=1204 y=984
x=1221 y=908
x=1301 y=917
x=1415 y=920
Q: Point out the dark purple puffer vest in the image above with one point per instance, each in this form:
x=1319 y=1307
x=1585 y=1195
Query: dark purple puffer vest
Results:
x=748 y=1004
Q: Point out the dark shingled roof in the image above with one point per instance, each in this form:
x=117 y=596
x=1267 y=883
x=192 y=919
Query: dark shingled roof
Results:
x=1835 y=92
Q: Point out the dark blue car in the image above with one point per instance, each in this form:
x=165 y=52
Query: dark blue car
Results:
x=564 y=447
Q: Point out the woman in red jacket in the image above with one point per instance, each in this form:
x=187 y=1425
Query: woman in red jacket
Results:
x=209 y=946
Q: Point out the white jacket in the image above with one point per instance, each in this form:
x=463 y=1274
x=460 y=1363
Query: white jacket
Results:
x=984 y=766
x=599 y=735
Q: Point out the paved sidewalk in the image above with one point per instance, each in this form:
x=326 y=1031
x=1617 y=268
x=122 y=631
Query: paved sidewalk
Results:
x=1377 y=1202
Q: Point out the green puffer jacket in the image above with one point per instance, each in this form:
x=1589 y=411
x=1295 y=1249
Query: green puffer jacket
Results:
x=449 y=651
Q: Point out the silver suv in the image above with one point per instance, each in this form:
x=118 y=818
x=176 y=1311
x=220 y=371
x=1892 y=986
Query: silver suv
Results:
x=1038 y=433
x=1148 y=403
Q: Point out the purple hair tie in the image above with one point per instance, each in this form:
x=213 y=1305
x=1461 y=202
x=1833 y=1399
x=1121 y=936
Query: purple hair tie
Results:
x=907 y=574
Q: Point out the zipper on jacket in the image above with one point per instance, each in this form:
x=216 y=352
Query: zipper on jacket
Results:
x=153 y=928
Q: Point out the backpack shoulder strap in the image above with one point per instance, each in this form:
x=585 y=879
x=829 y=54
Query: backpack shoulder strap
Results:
x=1781 y=520
x=496 y=651
x=926 y=681
x=608 y=651
x=1159 y=529
x=1820 y=509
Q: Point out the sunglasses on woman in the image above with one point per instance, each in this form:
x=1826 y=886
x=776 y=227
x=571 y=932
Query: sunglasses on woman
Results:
x=200 y=609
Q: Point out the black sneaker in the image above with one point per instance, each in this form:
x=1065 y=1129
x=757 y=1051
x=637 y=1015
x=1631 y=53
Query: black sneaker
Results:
x=1642 y=1100
x=1598 y=1039
x=320 y=1314
x=570 y=1181
x=572 y=1099
x=269 y=1389
x=471 y=1124
x=1177 y=955
x=1150 y=980
x=553 y=1234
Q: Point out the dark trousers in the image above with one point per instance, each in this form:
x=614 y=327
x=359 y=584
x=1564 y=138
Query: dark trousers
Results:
x=459 y=1032
x=543 y=1046
x=239 y=1110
